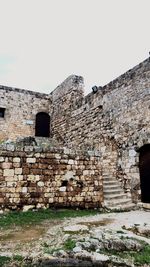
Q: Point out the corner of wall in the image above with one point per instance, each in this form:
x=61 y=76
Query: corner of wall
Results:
x=72 y=87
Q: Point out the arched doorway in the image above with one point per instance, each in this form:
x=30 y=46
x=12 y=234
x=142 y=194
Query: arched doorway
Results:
x=144 y=166
x=42 y=125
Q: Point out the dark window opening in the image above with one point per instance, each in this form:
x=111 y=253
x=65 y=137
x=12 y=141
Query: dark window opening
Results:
x=2 y=112
x=42 y=125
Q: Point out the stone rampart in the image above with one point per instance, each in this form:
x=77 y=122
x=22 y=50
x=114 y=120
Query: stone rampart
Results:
x=115 y=118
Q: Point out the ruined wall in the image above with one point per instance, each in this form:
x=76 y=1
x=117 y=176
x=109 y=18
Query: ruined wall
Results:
x=49 y=177
x=114 y=120
x=21 y=107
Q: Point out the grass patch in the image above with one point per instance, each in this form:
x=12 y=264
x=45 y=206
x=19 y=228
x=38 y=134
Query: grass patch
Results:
x=4 y=260
x=35 y=217
x=12 y=261
x=142 y=257
x=139 y=257
x=7 y=260
x=69 y=244
x=17 y=258
x=49 y=250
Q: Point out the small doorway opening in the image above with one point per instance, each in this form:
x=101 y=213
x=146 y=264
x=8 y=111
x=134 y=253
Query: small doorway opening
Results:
x=42 y=124
x=144 y=166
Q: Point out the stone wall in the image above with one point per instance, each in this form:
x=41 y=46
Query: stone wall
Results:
x=49 y=177
x=115 y=118
x=64 y=97
x=21 y=107
x=114 y=111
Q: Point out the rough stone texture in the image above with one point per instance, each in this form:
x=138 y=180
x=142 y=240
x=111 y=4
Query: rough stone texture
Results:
x=114 y=120
x=21 y=108
x=54 y=177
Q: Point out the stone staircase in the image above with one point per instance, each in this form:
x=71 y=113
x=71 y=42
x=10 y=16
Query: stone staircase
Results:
x=114 y=196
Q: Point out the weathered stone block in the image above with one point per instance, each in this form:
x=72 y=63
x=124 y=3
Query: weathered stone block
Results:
x=6 y=165
x=20 y=177
x=10 y=147
x=9 y=172
x=31 y=177
x=62 y=189
x=24 y=190
x=29 y=207
x=51 y=200
x=16 y=165
x=40 y=184
x=11 y=184
x=1 y=159
x=18 y=170
x=70 y=161
x=16 y=160
x=31 y=160
x=86 y=172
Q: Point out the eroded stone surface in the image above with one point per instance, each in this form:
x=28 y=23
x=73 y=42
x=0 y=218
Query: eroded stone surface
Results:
x=76 y=228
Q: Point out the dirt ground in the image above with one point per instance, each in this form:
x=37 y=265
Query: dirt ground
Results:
x=35 y=240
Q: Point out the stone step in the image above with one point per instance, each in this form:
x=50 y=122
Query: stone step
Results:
x=112 y=182
x=108 y=175
x=118 y=203
x=114 y=196
x=111 y=187
x=109 y=191
x=109 y=179
x=123 y=207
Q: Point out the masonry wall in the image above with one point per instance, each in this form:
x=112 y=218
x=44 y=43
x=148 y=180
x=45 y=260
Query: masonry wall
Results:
x=49 y=177
x=116 y=120
x=21 y=107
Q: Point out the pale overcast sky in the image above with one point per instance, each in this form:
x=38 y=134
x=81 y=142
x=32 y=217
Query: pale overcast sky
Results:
x=42 y=42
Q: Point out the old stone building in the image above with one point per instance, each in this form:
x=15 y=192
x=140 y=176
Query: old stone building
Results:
x=102 y=143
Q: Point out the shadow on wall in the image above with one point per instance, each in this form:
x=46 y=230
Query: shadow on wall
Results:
x=144 y=167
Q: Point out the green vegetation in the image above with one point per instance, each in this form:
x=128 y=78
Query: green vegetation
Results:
x=35 y=217
x=69 y=244
x=139 y=257
x=50 y=250
x=4 y=260
x=17 y=258
x=45 y=245
x=143 y=256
